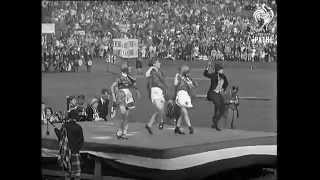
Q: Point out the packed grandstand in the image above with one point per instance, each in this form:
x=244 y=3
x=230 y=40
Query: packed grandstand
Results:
x=178 y=30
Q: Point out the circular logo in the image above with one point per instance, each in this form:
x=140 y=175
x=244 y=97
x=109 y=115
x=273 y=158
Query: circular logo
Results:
x=263 y=16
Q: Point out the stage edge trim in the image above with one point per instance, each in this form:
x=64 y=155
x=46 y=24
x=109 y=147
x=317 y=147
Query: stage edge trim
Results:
x=187 y=161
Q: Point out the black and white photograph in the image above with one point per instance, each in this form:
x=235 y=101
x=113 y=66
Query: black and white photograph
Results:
x=152 y=90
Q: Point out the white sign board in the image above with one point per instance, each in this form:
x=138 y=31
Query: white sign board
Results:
x=48 y=28
x=126 y=48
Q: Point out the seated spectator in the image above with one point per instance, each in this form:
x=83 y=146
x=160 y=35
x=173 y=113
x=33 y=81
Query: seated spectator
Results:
x=43 y=112
x=72 y=103
x=103 y=104
x=61 y=116
x=92 y=111
x=82 y=108
x=49 y=115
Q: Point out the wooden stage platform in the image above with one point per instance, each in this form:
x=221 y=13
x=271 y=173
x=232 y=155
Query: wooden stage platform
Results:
x=166 y=155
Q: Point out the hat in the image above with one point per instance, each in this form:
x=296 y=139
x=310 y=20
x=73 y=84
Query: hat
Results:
x=218 y=67
x=94 y=100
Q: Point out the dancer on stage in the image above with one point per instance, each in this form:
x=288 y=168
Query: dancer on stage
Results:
x=219 y=84
x=122 y=96
x=157 y=89
x=183 y=89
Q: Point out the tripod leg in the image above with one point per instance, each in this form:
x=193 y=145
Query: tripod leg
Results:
x=232 y=121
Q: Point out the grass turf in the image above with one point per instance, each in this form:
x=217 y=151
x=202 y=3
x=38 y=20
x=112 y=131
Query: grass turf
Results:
x=261 y=81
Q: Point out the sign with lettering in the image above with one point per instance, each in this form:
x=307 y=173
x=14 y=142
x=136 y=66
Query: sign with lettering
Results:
x=126 y=48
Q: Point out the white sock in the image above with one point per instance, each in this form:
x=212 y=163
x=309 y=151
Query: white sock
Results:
x=119 y=132
x=125 y=131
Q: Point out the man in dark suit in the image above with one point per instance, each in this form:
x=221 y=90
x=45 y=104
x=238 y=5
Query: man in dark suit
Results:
x=218 y=86
x=103 y=104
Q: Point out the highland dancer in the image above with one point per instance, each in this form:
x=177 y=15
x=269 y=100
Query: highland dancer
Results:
x=157 y=89
x=183 y=89
x=122 y=96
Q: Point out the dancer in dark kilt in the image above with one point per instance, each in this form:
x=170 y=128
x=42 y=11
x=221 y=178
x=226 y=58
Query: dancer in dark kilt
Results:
x=122 y=96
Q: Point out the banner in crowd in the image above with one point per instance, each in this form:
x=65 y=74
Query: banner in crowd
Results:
x=48 y=28
x=126 y=48
x=80 y=32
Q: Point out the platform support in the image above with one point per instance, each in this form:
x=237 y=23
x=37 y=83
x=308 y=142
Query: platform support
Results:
x=97 y=169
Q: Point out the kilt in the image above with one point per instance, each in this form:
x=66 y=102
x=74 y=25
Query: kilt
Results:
x=124 y=97
x=183 y=99
x=75 y=166
x=157 y=95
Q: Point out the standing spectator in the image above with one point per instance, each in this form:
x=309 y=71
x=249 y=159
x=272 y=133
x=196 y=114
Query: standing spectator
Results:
x=143 y=52
x=43 y=112
x=82 y=108
x=92 y=111
x=49 y=115
x=103 y=104
x=76 y=61
x=139 y=65
x=88 y=60
x=71 y=141
x=253 y=54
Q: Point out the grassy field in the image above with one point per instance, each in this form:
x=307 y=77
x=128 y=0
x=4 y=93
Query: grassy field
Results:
x=254 y=115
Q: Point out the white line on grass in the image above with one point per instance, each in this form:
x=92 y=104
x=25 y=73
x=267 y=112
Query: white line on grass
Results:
x=201 y=79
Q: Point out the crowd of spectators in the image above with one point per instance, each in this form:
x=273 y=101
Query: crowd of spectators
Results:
x=95 y=109
x=221 y=29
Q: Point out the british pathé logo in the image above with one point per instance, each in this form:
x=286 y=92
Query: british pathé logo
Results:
x=263 y=15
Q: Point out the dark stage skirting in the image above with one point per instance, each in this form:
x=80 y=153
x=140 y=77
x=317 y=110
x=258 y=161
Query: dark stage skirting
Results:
x=166 y=155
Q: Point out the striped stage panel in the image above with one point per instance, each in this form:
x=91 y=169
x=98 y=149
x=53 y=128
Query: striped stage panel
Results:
x=166 y=155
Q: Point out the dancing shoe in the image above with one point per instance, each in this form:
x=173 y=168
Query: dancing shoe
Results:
x=161 y=125
x=122 y=137
x=191 y=130
x=177 y=130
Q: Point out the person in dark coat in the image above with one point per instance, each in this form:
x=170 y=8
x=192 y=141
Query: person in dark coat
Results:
x=71 y=140
x=103 y=104
x=92 y=111
x=139 y=65
x=218 y=86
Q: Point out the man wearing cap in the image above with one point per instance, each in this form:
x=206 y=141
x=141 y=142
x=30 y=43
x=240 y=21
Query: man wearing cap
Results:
x=219 y=84
x=157 y=90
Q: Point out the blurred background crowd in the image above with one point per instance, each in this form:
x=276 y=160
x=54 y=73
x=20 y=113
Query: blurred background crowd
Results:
x=177 y=29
